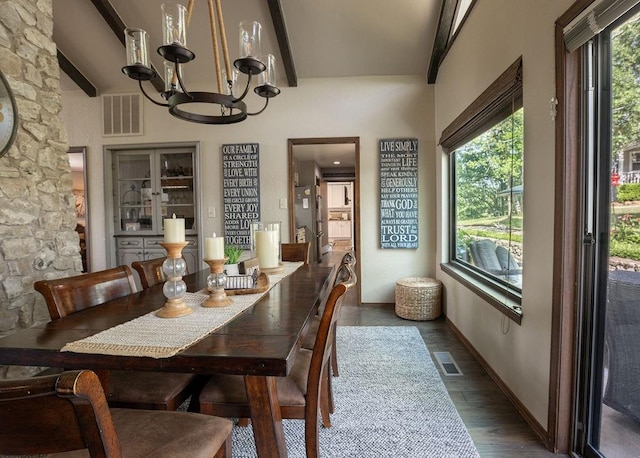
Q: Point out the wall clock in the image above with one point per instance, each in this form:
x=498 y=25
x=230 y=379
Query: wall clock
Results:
x=8 y=116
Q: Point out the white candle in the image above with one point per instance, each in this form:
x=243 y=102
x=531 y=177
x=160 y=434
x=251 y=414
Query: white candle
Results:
x=174 y=230
x=214 y=247
x=267 y=248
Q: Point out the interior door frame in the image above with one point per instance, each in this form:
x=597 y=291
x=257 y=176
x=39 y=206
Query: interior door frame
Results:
x=87 y=226
x=356 y=188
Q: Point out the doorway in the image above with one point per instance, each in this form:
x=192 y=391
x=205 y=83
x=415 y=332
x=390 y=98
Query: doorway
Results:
x=608 y=408
x=324 y=185
x=78 y=162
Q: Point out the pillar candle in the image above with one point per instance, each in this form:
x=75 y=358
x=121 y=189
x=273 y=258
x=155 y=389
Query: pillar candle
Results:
x=214 y=247
x=267 y=248
x=174 y=230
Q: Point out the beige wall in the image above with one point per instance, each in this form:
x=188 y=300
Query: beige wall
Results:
x=494 y=36
x=369 y=108
x=496 y=33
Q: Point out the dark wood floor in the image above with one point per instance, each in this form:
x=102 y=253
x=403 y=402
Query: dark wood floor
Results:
x=496 y=427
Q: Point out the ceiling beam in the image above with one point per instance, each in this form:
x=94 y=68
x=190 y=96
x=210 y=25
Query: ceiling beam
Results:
x=443 y=33
x=117 y=25
x=277 y=16
x=76 y=75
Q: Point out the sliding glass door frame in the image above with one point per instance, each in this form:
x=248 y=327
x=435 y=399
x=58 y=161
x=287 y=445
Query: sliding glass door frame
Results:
x=596 y=170
x=596 y=166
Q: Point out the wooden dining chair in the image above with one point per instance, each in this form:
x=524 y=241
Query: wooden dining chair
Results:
x=133 y=389
x=296 y=252
x=302 y=394
x=150 y=271
x=69 y=412
x=349 y=258
x=342 y=274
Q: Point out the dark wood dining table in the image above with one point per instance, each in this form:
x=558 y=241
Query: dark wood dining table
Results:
x=261 y=343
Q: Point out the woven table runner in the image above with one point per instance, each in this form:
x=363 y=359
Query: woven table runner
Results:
x=156 y=337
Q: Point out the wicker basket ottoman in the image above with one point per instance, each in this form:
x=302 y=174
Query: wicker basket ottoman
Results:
x=418 y=298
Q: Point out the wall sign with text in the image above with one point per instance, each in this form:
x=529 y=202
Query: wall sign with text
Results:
x=240 y=191
x=399 y=193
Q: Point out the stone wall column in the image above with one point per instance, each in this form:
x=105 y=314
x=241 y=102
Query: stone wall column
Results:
x=37 y=217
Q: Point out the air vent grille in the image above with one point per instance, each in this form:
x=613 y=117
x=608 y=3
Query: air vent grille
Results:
x=447 y=363
x=121 y=115
x=339 y=174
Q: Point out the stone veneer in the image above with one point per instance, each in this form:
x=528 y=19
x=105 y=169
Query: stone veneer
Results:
x=37 y=218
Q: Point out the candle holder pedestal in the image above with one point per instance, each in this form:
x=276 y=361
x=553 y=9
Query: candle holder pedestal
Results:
x=216 y=282
x=174 y=289
x=272 y=270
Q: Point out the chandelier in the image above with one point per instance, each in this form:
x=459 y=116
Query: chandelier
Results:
x=221 y=107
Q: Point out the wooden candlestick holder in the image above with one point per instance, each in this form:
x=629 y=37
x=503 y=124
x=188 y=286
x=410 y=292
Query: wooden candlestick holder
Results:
x=175 y=305
x=218 y=296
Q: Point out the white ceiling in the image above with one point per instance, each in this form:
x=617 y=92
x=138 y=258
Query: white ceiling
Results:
x=328 y=38
x=326 y=154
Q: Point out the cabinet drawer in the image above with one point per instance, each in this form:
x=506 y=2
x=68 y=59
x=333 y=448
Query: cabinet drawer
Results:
x=154 y=254
x=153 y=242
x=129 y=242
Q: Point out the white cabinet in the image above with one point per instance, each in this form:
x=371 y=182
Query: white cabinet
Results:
x=339 y=229
x=150 y=184
x=129 y=249
x=339 y=195
x=153 y=184
x=334 y=198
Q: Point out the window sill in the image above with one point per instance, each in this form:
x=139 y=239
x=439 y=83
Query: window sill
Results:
x=505 y=301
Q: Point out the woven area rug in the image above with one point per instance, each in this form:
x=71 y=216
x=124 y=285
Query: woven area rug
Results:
x=390 y=402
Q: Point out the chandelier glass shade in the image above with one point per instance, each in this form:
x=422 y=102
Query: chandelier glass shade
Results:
x=226 y=105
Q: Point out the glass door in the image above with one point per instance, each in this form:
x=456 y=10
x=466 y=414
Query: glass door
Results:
x=134 y=199
x=608 y=407
x=177 y=187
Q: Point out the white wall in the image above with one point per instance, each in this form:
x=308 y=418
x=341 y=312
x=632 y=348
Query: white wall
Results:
x=369 y=108
x=495 y=35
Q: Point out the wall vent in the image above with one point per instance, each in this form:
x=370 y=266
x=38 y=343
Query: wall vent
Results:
x=121 y=115
x=339 y=174
x=447 y=363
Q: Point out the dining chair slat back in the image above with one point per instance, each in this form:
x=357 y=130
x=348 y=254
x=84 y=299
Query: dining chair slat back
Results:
x=348 y=258
x=150 y=271
x=296 y=252
x=69 y=412
x=72 y=294
x=345 y=273
x=133 y=389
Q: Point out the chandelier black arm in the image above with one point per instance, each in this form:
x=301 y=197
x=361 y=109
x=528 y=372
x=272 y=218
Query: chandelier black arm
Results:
x=149 y=98
x=263 y=108
x=184 y=89
x=246 y=89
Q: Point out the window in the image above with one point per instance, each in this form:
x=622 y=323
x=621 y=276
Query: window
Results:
x=485 y=147
x=635 y=162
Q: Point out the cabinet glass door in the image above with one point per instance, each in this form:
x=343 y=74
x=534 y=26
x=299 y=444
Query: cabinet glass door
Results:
x=177 y=190
x=133 y=192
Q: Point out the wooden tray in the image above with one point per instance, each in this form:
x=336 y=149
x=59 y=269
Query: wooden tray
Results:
x=262 y=286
